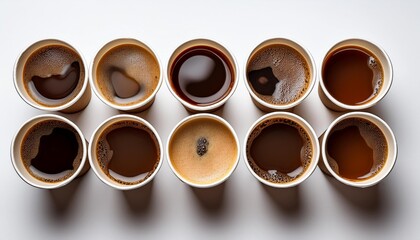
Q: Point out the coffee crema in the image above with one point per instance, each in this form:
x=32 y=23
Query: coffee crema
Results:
x=53 y=75
x=202 y=75
x=279 y=150
x=203 y=150
x=278 y=74
x=356 y=149
x=352 y=75
x=128 y=152
x=127 y=74
x=52 y=151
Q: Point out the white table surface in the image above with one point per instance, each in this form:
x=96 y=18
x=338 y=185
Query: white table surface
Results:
x=241 y=208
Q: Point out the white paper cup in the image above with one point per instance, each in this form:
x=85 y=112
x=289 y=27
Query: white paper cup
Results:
x=136 y=106
x=197 y=117
x=203 y=43
x=21 y=169
x=269 y=107
x=389 y=162
x=313 y=138
x=95 y=164
x=76 y=103
x=329 y=101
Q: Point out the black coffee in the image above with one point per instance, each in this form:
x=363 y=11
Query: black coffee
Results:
x=202 y=75
x=127 y=74
x=278 y=74
x=356 y=149
x=352 y=75
x=128 y=152
x=52 y=151
x=53 y=75
x=279 y=150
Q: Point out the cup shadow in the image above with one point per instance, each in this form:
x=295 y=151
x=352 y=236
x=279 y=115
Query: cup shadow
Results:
x=370 y=202
x=287 y=200
x=139 y=201
x=211 y=200
x=61 y=199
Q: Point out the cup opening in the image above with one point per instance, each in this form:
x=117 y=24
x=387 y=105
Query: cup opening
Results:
x=17 y=159
x=19 y=68
x=302 y=51
x=231 y=61
x=94 y=162
x=390 y=159
x=379 y=53
x=136 y=105
x=314 y=142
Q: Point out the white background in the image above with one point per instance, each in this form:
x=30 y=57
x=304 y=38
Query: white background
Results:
x=241 y=208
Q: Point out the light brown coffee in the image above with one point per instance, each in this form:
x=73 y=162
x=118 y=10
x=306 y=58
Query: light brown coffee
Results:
x=203 y=150
x=127 y=74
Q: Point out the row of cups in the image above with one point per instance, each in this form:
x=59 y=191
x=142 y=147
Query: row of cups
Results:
x=89 y=151
x=81 y=95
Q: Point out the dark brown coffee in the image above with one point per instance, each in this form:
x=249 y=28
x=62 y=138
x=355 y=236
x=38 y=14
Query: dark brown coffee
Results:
x=279 y=150
x=202 y=75
x=52 y=151
x=127 y=74
x=128 y=152
x=53 y=75
x=352 y=75
x=278 y=74
x=356 y=149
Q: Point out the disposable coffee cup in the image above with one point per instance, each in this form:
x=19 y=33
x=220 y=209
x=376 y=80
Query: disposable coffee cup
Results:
x=281 y=150
x=353 y=140
x=340 y=90
x=279 y=74
x=126 y=75
x=51 y=75
x=49 y=151
x=203 y=150
x=202 y=75
x=125 y=152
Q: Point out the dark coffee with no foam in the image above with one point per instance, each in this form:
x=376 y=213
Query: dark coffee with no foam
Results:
x=128 y=152
x=53 y=75
x=356 y=149
x=127 y=74
x=352 y=75
x=52 y=151
x=279 y=150
x=278 y=74
x=202 y=75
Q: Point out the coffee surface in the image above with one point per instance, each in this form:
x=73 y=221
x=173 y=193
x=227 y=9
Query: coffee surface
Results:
x=352 y=75
x=53 y=75
x=203 y=151
x=51 y=151
x=278 y=74
x=202 y=75
x=356 y=149
x=127 y=74
x=279 y=150
x=128 y=152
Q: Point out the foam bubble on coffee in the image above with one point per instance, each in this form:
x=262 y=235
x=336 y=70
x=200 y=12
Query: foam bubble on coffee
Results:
x=285 y=69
